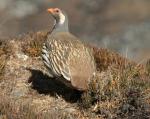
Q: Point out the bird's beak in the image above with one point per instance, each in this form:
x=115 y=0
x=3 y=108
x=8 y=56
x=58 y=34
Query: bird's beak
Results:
x=50 y=10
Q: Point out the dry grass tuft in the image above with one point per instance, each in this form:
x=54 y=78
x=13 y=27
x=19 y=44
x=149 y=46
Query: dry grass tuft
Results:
x=118 y=94
x=5 y=48
x=105 y=58
x=25 y=109
x=33 y=43
x=5 y=51
x=148 y=67
x=2 y=65
x=11 y=109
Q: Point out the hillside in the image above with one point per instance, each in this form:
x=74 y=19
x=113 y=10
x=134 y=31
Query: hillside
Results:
x=120 y=89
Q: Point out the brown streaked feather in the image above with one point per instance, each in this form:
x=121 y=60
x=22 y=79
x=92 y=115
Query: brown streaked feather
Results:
x=70 y=58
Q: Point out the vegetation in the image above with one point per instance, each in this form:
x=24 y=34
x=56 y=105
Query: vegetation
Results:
x=33 y=44
x=4 y=53
x=2 y=66
x=118 y=94
x=28 y=93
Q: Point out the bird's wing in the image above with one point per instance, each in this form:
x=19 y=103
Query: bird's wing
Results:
x=71 y=59
x=78 y=65
x=59 y=48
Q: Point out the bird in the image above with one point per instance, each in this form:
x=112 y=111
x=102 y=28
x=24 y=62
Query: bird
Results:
x=66 y=57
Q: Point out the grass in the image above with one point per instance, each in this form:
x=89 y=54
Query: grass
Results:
x=34 y=43
x=118 y=94
x=148 y=67
x=23 y=109
x=2 y=66
x=120 y=89
x=5 y=51
x=5 y=48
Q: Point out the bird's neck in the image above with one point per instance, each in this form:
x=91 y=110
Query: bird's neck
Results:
x=60 y=25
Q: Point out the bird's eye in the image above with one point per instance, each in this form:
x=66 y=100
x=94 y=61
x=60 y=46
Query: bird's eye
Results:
x=57 y=11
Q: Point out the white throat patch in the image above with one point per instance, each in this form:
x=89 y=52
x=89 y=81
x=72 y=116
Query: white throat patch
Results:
x=62 y=19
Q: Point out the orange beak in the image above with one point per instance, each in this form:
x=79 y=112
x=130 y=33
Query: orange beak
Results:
x=50 y=10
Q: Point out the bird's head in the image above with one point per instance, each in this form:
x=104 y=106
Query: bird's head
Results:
x=57 y=14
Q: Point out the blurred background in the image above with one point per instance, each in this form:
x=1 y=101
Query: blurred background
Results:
x=121 y=25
